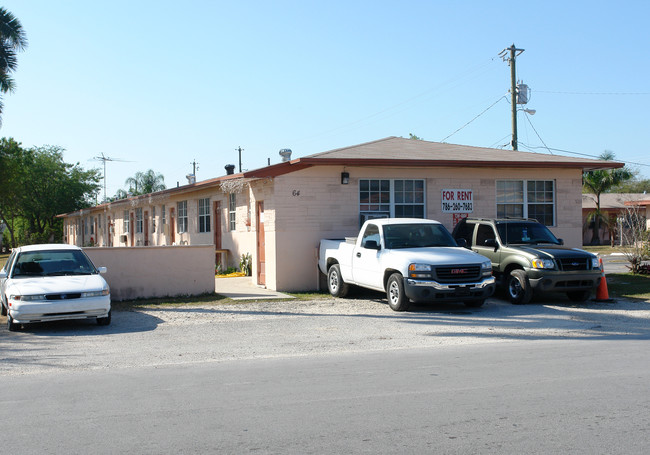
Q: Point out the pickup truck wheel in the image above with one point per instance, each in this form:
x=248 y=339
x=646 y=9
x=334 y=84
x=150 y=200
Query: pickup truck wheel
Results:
x=335 y=283
x=519 y=290
x=397 y=299
x=474 y=303
x=578 y=296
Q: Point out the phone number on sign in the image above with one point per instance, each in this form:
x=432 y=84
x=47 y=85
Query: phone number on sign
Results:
x=457 y=207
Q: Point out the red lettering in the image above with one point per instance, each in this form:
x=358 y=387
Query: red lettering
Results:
x=448 y=195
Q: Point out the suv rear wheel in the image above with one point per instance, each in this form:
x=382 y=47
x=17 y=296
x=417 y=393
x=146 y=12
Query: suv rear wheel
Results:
x=519 y=290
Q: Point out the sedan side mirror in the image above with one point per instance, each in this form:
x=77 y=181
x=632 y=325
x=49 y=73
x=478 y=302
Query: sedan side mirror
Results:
x=101 y=269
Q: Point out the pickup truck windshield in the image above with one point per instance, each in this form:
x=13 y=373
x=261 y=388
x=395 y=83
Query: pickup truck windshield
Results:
x=525 y=233
x=417 y=236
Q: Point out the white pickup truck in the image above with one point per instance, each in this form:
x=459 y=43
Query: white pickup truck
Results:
x=409 y=259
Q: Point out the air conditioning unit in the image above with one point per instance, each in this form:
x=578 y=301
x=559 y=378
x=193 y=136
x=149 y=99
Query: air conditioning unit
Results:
x=123 y=238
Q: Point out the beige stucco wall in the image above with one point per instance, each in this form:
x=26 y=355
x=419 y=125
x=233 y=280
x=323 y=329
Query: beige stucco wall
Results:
x=312 y=204
x=146 y=272
x=304 y=206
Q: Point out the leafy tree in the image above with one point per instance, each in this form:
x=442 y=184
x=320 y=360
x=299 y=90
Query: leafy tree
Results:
x=601 y=181
x=413 y=136
x=145 y=182
x=12 y=40
x=40 y=185
x=10 y=153
x=633 y=186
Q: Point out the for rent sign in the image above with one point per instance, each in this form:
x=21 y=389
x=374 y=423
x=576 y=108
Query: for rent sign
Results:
x=457 y=201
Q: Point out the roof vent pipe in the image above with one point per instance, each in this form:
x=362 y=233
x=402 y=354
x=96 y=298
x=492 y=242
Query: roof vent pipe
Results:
x=285 y=154
x=230 y=169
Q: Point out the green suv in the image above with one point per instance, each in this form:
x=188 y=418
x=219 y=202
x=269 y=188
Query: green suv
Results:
x=527 y=257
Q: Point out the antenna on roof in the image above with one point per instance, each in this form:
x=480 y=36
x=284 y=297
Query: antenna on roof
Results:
x=104 y=159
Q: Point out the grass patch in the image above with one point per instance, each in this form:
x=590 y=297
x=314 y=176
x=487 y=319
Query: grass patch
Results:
x=629 y=286
x=126 y=305
x=603 y=249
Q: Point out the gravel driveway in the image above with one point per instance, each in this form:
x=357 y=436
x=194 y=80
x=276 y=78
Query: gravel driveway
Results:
x=186 y=334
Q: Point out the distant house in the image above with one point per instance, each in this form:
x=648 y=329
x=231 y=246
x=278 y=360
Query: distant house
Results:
x=613 y=205
x=279 y=213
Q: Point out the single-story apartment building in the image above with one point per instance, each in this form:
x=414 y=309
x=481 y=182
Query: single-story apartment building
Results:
x=278 y=213
x=614 y=206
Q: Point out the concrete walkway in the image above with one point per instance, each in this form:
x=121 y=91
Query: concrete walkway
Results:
x=244 y=288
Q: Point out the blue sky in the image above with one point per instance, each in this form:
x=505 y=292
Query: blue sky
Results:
x=160 y=84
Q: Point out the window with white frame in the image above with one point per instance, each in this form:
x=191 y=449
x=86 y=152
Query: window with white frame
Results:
x=204 y=215
x=153 y=219
x=125 y=222
x=181 y=222
x=163 y=215
x=384 y=198
x=526 y=199
x=138 y=221
x=232 y=212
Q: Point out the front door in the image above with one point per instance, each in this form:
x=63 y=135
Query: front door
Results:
x=146 y=228
x=216 y=211
x=132 y=228
x=261 y=245
x=172 y=227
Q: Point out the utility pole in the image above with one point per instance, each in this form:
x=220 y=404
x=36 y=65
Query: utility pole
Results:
x=239 y=149
x=513 y=53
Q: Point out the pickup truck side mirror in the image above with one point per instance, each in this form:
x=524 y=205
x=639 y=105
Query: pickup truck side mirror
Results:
x=561 y=241
x=372 y=245
x=461 y=242
x=491 y=242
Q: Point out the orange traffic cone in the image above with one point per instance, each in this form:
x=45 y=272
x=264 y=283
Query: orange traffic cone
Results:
x=601 y=293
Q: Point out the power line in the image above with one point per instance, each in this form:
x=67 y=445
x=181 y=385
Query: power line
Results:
x=594 y=93
x=490 y=107
x=533 y=127
x=586 y=155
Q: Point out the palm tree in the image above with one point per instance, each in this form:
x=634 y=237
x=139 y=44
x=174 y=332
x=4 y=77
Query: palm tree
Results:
x=146 y=182
x=598 y=182
x=12 y=40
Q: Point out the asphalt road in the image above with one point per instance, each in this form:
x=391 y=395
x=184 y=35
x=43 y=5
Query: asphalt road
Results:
x=579 y=397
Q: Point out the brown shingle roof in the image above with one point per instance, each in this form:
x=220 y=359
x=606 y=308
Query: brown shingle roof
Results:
x=398 y=151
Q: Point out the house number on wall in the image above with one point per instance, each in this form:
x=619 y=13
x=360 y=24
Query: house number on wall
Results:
x=295 y=193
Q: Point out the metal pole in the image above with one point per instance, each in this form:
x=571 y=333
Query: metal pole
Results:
x=513 y=96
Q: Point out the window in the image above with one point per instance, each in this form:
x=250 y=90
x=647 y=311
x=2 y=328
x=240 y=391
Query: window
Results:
x=527 y=199
x=204 y=215
x=163 y=215
x=371 y=233
x=181 y=223
x=232 y=212
x=138 y=221
x=153 y=219
x=125 y=222
x=391 y=198
x=92 y=225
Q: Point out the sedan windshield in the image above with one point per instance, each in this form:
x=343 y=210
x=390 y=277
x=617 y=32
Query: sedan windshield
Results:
x=52 y=263
x=417 y=236
x=526 y=233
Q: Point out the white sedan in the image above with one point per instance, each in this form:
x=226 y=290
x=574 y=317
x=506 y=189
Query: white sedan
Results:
x=50 y=283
